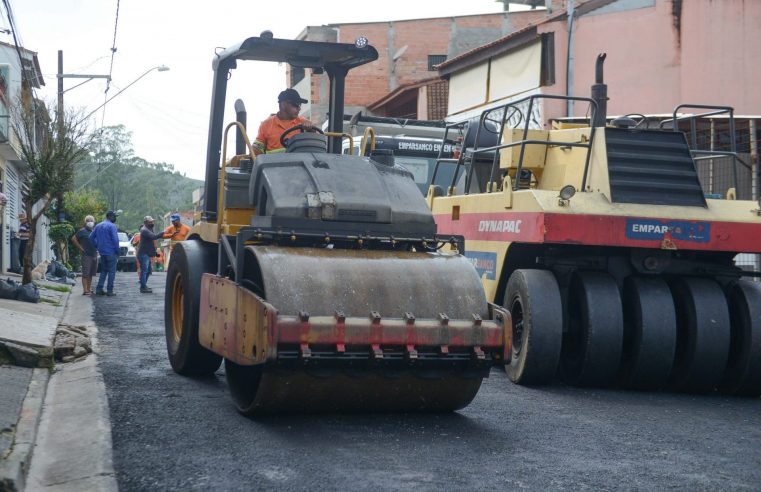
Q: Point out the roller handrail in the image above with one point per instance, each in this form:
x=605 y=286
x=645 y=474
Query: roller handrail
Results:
x=343 y=135
x=223 y=163
x=371 y=132
x=523 y=142
x=245 y=139
x=458 y=160
x=716 y=110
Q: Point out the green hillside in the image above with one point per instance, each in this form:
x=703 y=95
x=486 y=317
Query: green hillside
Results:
x=131 y=183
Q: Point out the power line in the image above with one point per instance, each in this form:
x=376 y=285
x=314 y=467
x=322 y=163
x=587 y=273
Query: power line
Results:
x=12 y=26
x=113 y=46
x=111 y=67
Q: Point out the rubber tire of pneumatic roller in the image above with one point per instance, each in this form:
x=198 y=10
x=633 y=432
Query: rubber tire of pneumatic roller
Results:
x=703 y=327
x=743 y=374
x=190 y=260
x=649 y=333
x=592 y=346
x=533 y=299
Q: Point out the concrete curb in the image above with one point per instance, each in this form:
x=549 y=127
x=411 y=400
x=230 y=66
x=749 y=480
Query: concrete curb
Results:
x=15 y=467
x=73 y=450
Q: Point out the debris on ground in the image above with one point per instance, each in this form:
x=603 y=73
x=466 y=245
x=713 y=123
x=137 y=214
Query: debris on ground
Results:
x=10 y=289
x=71 y=343
x=56 y=272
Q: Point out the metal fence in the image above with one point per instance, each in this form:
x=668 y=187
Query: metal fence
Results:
x=721 y=174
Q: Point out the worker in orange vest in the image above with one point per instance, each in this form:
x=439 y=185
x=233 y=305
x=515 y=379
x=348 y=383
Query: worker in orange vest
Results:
x=177 y=231
x=289 y=105
x=135 y=243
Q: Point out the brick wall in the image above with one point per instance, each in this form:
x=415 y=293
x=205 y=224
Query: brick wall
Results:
x=422 y=37
x=438 y=98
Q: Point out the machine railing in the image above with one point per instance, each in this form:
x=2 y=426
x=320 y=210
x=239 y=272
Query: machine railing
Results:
x=697 y=154
x=509 y=111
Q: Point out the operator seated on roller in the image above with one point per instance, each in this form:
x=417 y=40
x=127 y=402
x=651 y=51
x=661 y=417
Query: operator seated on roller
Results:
x=268 y=138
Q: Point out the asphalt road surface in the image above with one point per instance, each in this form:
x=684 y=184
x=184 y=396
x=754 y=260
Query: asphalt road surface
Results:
x=172 y=432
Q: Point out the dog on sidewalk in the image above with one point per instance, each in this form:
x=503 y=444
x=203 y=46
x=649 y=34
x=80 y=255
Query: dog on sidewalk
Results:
x=38 y=273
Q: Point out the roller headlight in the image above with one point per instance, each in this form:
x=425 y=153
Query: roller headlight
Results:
x=567 y=192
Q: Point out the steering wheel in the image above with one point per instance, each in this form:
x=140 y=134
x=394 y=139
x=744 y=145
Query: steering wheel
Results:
x=293 y=129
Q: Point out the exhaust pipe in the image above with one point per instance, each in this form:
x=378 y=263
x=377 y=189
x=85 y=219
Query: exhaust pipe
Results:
x=240 y=117
x=600 y=93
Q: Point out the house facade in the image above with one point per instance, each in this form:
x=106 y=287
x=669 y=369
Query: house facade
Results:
x=403 y=81
x=660 y=53
x=17 y=79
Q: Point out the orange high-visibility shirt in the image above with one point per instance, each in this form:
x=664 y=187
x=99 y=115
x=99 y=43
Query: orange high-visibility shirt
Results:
x=177 y=233
x=268 y=139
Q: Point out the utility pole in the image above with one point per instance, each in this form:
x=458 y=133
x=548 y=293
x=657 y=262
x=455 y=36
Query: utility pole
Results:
x=60 y=116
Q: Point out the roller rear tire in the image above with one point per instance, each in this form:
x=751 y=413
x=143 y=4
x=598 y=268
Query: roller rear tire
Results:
x=190 y=260
x=533 y=299
x=593 y=344
x=649 y=333
x=743 y=375
x=703 y=335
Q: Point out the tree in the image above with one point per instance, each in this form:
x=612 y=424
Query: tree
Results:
x=51 y=144
x=129 y=182
x=79 y=204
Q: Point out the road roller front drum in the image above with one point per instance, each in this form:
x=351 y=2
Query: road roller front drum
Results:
x=346 y=330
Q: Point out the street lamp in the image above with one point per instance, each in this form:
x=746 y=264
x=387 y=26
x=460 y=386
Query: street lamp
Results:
x=160 y=68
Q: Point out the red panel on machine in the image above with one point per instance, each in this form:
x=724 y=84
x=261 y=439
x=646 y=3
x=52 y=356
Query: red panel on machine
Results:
x=604 y=230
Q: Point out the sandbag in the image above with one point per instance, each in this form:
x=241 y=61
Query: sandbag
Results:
x=56 y=269
x=8 y=289
x=28 y=293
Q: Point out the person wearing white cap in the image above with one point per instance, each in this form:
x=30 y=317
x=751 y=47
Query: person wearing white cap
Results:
x=23 y=235
x=147 y=250
x=81 y=239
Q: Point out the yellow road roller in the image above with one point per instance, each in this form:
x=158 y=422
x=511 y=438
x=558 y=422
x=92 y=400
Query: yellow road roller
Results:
x=319 y=277
x=616 y=266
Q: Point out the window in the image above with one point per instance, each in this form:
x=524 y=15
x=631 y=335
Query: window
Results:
x=11 y=181
x=434 y=60
x=548 y=58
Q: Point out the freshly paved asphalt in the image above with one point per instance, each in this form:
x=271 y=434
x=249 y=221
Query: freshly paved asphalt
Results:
x=172 y=432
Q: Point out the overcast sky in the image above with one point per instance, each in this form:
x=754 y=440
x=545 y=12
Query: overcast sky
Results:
x=168 y=112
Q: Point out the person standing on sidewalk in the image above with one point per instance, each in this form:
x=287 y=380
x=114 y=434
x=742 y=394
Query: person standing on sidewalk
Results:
x=146 y=251
x=23 y=235
x=106 y=240
x=81 y=239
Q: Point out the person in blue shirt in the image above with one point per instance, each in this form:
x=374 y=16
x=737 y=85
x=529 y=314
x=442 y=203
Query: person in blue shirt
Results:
x=106 y=240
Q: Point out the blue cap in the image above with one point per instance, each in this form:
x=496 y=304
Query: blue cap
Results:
x=174 y=217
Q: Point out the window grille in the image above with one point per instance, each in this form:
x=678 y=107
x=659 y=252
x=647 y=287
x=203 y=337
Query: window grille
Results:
x=434 y=60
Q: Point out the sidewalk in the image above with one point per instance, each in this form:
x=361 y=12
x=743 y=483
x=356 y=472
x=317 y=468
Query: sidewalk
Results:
x=27 y=332
x=39 y=409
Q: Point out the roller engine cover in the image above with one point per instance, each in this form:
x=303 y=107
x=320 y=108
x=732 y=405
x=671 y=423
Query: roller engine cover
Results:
x=342 y=189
